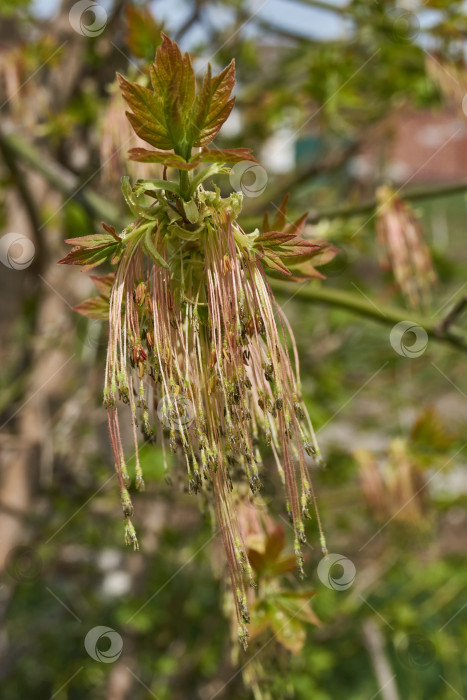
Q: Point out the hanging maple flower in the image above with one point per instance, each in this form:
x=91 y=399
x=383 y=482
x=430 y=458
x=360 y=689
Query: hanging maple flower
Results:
x=406 y=253
x=194 y=347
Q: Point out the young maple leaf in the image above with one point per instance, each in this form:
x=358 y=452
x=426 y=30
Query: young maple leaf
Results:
x=283 y=249
x=94 y=249
x=97 y=308
x=173 y=115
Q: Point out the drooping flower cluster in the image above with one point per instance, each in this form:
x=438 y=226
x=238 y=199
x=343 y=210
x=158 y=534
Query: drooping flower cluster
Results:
x=405 y=250
x=198 y=346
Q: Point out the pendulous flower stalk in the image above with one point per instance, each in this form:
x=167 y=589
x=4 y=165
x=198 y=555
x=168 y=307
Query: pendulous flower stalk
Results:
x=198 y=346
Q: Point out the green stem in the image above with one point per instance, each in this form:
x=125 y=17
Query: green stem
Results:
x=414 y=195
x=388 y=315
x=184 y=185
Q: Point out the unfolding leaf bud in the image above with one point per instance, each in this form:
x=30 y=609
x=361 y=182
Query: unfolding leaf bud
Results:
x=324 y=548
x=109 y=398
x=299 y=558
x=140 y=293
x=299 y=412
x=268 y=371
x=243 y=636
x=301 y=533
x=126 y=503
x=240 y=554
x=242 y=607
x=304 y=506
x=130 y=534
x=255 y=483
x=123 y=394
x=139 y=481
x=141 y=397
x=146 y=427
x=249 y=573
x=125 y=475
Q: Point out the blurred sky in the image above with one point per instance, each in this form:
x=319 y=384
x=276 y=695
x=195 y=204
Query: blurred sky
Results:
x=291 y=16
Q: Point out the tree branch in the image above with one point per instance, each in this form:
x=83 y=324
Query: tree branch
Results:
x=60 y=178
x=415 y=195
x=329 y=163
x=24 y=193
x=387 y=315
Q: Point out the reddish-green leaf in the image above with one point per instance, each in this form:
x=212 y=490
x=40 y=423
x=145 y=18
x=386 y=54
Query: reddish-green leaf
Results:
x=111 y=230
x=96 y=308
x=89 y=257
x=174 y=116
x=272 y=238
x=280 y=218
x=94 y=240
x=226 y=155
x=167 y=158
x=93 y=250
x=162 y=116
x=288 y=631
x=286 y=252
x=323 y=253
x=273 y=261
x=213 y=105
x=173 y=80
x=296 y=605
x=284 y=565
x=104 y=283
x=147 y=117
x=144 y=34
x=275 y=543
